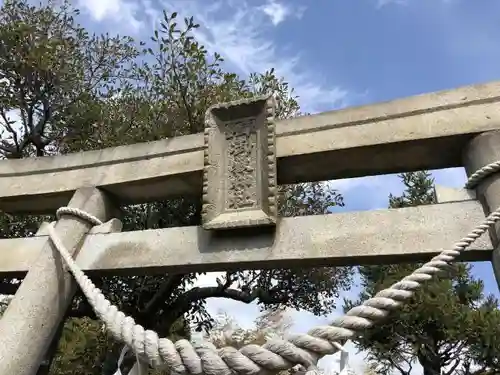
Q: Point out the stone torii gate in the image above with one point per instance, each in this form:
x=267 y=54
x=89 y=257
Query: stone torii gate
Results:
x=235 y=167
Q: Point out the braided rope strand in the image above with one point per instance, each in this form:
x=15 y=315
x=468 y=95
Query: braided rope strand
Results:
x=305 y=349
x=182 y=357
x=75 y=212
x=481 y=174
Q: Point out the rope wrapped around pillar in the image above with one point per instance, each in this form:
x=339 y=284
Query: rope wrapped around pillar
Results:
x=183 y=357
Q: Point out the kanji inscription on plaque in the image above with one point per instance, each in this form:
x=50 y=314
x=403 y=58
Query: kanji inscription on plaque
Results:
x=239 y=176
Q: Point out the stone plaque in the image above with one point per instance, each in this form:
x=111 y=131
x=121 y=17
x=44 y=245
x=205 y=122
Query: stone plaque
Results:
x=239 y=176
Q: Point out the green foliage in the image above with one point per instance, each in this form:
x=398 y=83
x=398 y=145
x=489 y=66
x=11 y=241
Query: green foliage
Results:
x=449 y=326
x=52 y=71
x=85 y=345
x=74 y=91
x=80 y=340
x=168 y=90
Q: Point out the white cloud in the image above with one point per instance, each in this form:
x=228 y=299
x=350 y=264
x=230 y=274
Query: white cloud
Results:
x=278 y=12
x=382 y=3
x=238 y=30
x=241 y=34
x=382 y=182
x=120 y=12
x=373 y=191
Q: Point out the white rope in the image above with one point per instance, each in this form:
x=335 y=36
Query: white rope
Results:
x=182 y=357
x=481 y=174
x=79 y=214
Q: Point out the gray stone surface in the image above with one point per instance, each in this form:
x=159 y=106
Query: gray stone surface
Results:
x=30 y=321
x=485 y=149
x=239 y=176
x=422 y=132
x=445 y=194
x=382 y=236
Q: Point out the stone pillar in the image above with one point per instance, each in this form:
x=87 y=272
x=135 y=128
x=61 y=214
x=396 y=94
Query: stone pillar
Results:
x=483 y=150
x=32 y=318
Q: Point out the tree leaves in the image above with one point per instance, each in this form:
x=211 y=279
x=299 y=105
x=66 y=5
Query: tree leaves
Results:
x=449 y=326
x=55 y=71
x=76 y=91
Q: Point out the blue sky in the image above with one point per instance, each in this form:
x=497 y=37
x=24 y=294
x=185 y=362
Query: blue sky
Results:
x=337 y=53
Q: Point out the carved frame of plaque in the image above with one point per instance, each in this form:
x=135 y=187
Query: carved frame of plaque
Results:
x=239 y=175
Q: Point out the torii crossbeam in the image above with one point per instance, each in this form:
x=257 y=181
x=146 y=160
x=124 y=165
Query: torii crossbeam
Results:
x=235 y=167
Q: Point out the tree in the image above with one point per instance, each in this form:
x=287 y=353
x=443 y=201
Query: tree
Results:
x=74 y=91
x=449 y=327
x=85 y=344
x=179 y=82
x=52 y=70
x=272 y=323
x=227 y=332
x=369 y=370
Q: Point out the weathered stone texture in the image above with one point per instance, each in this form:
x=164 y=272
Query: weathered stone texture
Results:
x=380 y=236
x=481 y=151
x=239 y=177
x=31 y=319
x=421 y=132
